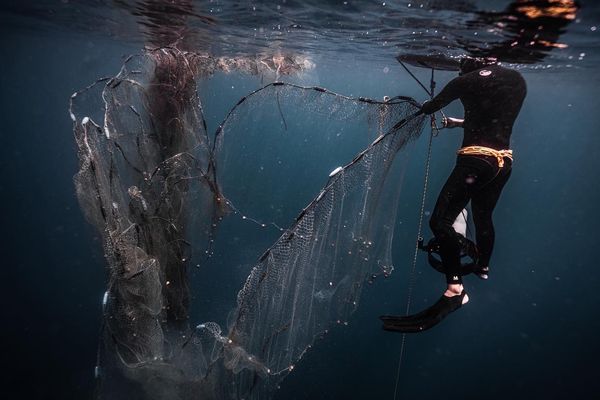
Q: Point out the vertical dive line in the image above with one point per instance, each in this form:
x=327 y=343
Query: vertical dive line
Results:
x=411 y=278
x=420 y=229
x=279 y=108
x=415 y=256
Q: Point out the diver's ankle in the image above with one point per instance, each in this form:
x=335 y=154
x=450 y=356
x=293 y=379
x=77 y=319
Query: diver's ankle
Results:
x=454 y=289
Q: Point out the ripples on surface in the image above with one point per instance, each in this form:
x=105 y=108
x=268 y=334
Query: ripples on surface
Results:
x=522 y=32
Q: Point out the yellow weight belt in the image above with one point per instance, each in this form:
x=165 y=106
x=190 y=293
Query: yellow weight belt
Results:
x=486 y=151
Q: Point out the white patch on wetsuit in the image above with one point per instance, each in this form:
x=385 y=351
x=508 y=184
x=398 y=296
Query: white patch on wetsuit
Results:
x=485 y=72
x=460 y=224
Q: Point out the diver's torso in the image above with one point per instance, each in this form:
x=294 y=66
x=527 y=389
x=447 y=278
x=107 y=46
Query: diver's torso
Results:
x=492 y=98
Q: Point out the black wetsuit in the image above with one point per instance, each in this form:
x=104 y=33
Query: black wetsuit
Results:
x=492 y=97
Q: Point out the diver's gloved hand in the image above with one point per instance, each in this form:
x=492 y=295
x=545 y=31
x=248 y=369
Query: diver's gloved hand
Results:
x=449 y=122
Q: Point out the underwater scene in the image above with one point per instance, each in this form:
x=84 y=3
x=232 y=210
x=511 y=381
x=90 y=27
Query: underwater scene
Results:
x=227 y=200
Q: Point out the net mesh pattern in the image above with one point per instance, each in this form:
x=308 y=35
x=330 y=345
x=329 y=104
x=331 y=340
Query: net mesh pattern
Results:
x=156 y=185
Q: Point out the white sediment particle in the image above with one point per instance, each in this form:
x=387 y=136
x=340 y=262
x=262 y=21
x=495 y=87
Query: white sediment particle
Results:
x=105 y=298
x=335 y=171
x=85 y=120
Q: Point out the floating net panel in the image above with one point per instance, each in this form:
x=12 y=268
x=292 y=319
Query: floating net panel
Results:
x=156 y=188
x=311 y=278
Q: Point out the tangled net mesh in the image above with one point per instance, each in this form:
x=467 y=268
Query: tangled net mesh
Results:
x=156 y=185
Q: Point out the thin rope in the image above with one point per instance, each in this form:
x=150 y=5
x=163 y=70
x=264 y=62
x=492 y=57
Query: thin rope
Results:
x=415 y=257
x=430 y=92
x=416 y=79
x=411 y=279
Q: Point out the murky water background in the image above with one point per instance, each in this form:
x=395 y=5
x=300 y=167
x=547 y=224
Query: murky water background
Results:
x=529 y=332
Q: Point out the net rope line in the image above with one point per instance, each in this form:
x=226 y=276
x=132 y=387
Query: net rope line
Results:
x=393 y=100
x=333 y=179
x=211 y=170
x=434 y=132
x=219 y=130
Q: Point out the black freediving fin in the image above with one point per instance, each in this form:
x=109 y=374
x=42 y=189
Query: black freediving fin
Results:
x=425 y=319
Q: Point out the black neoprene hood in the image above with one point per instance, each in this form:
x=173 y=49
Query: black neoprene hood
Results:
x=469 y=64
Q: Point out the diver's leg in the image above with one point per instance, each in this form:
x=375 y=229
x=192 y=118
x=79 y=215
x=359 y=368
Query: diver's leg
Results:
x=452 y=199
x=482 y=205
x=468 y=177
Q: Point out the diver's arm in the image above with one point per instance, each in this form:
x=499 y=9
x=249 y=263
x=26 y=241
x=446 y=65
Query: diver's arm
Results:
x=449 y=122
x=448 y=94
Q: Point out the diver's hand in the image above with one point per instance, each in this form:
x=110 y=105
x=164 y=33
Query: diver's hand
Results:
x=449 y=122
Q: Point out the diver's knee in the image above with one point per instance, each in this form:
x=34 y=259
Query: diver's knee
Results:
x=439 y=227
x=434 y=224
x=484 y=228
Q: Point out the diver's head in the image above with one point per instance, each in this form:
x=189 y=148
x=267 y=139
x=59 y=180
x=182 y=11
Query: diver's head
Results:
x=470 y=64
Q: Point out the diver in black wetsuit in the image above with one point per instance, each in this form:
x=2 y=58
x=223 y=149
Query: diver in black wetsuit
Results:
x=492 y=97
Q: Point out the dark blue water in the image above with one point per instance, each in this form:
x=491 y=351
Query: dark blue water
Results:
x=529 y=332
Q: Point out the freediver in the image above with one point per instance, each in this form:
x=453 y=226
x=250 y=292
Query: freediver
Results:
x=492 y=97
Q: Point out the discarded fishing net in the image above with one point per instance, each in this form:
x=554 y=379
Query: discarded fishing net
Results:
x=143 y=183
x=158 y=188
